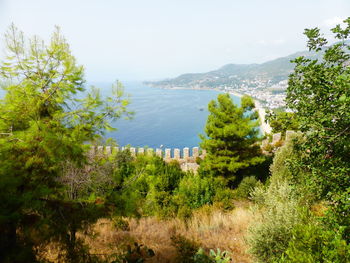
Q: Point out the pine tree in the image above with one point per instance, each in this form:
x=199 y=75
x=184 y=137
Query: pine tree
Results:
x=232 y=134
x=43 y=124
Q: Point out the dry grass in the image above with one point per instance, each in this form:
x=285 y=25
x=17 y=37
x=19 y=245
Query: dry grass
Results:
x=211 y=229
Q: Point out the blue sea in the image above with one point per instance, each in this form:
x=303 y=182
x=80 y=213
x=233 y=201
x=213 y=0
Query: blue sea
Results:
x=170 y=117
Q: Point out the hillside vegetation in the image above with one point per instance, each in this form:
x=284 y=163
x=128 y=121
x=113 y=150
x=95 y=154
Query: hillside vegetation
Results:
x=234 y=75
x=283 y=201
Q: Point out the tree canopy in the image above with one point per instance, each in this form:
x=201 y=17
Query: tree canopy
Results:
x=281 y=121
x=45 y=120
x=232 y=134
x=319 y=93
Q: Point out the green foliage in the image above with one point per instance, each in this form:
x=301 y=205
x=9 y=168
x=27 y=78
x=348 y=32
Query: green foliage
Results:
x=312 y=243
x=184 y=212
x=124 y=167
x=246 y=186
x=163 y=180
x=319 y=93
x=223 y=198
x=166 y=176
x=314 y=165
x=284 y=168
x=271 y=232
x=281 y=121
x=146 y=185
x=219 y=257
x=44 y=124
x=213 y=257
x=195 y=190
x=280 y=169
x=231 y=136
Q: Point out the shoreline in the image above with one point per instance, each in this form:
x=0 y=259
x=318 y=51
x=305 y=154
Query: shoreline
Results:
x=265 y=127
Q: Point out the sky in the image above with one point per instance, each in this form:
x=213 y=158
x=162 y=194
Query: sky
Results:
x=157 y=39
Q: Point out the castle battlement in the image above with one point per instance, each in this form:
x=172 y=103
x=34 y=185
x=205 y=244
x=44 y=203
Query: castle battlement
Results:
x=185 y=154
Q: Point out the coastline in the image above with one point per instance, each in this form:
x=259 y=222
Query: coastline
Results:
x=265 y=127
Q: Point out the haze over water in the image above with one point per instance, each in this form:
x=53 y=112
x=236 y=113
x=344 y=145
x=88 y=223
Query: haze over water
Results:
x=172 y=118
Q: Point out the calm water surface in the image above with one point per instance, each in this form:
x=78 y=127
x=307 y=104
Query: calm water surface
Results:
x=172 y=118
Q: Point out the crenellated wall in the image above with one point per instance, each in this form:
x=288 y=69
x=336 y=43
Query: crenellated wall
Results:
x=186 y=156
x=167 y=154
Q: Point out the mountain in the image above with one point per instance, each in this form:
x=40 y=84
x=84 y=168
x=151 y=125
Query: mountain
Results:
x=265 y=75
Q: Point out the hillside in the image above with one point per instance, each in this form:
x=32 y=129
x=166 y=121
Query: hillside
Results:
x=265 y=75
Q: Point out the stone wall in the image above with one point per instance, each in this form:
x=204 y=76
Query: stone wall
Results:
x=167 y=154
x=186 y=156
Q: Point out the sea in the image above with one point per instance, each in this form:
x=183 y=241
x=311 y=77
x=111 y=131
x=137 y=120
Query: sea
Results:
x=166 y=118
x=163 y=118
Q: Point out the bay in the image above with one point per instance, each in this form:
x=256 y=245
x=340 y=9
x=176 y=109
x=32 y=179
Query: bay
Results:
x=171 y=118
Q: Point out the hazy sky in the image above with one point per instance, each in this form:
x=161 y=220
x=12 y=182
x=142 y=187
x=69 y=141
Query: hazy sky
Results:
x=154 y=39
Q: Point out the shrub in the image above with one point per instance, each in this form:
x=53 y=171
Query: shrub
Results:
x=124 y=203
x=162 y=180
x=312 y=243
x=184 y=212
x=224 y=199
x=280 y=168
x=161 y=204
x=198 y=160
x=196 y=191
x=271 y=232
x=246 y=186
x=213 y=257
x=284 y=168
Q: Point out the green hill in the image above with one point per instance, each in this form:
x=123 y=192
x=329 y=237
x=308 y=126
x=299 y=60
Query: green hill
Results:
x=235 y=75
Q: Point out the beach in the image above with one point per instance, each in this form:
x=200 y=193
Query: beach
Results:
x=265 y=127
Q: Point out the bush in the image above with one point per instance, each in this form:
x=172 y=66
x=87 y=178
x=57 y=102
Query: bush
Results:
x=195 y=191
x=246 y=186
x=224 y=199
x=161 y=204
x=280 y=168
x=161 y=181
x=213 y=257
x=312 y=243
x=271 y=232
x=184 y=212
x=285 y=167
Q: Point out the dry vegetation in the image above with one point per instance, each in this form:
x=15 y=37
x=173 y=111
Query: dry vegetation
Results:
x=210 y=229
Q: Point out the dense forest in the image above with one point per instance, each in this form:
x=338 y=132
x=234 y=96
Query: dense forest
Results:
x=285 y=201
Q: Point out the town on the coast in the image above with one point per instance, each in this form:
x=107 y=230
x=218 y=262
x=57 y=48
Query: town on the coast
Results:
x=270 y=98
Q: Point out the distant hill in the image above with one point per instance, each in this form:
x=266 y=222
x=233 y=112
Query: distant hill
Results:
x=235 y=75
